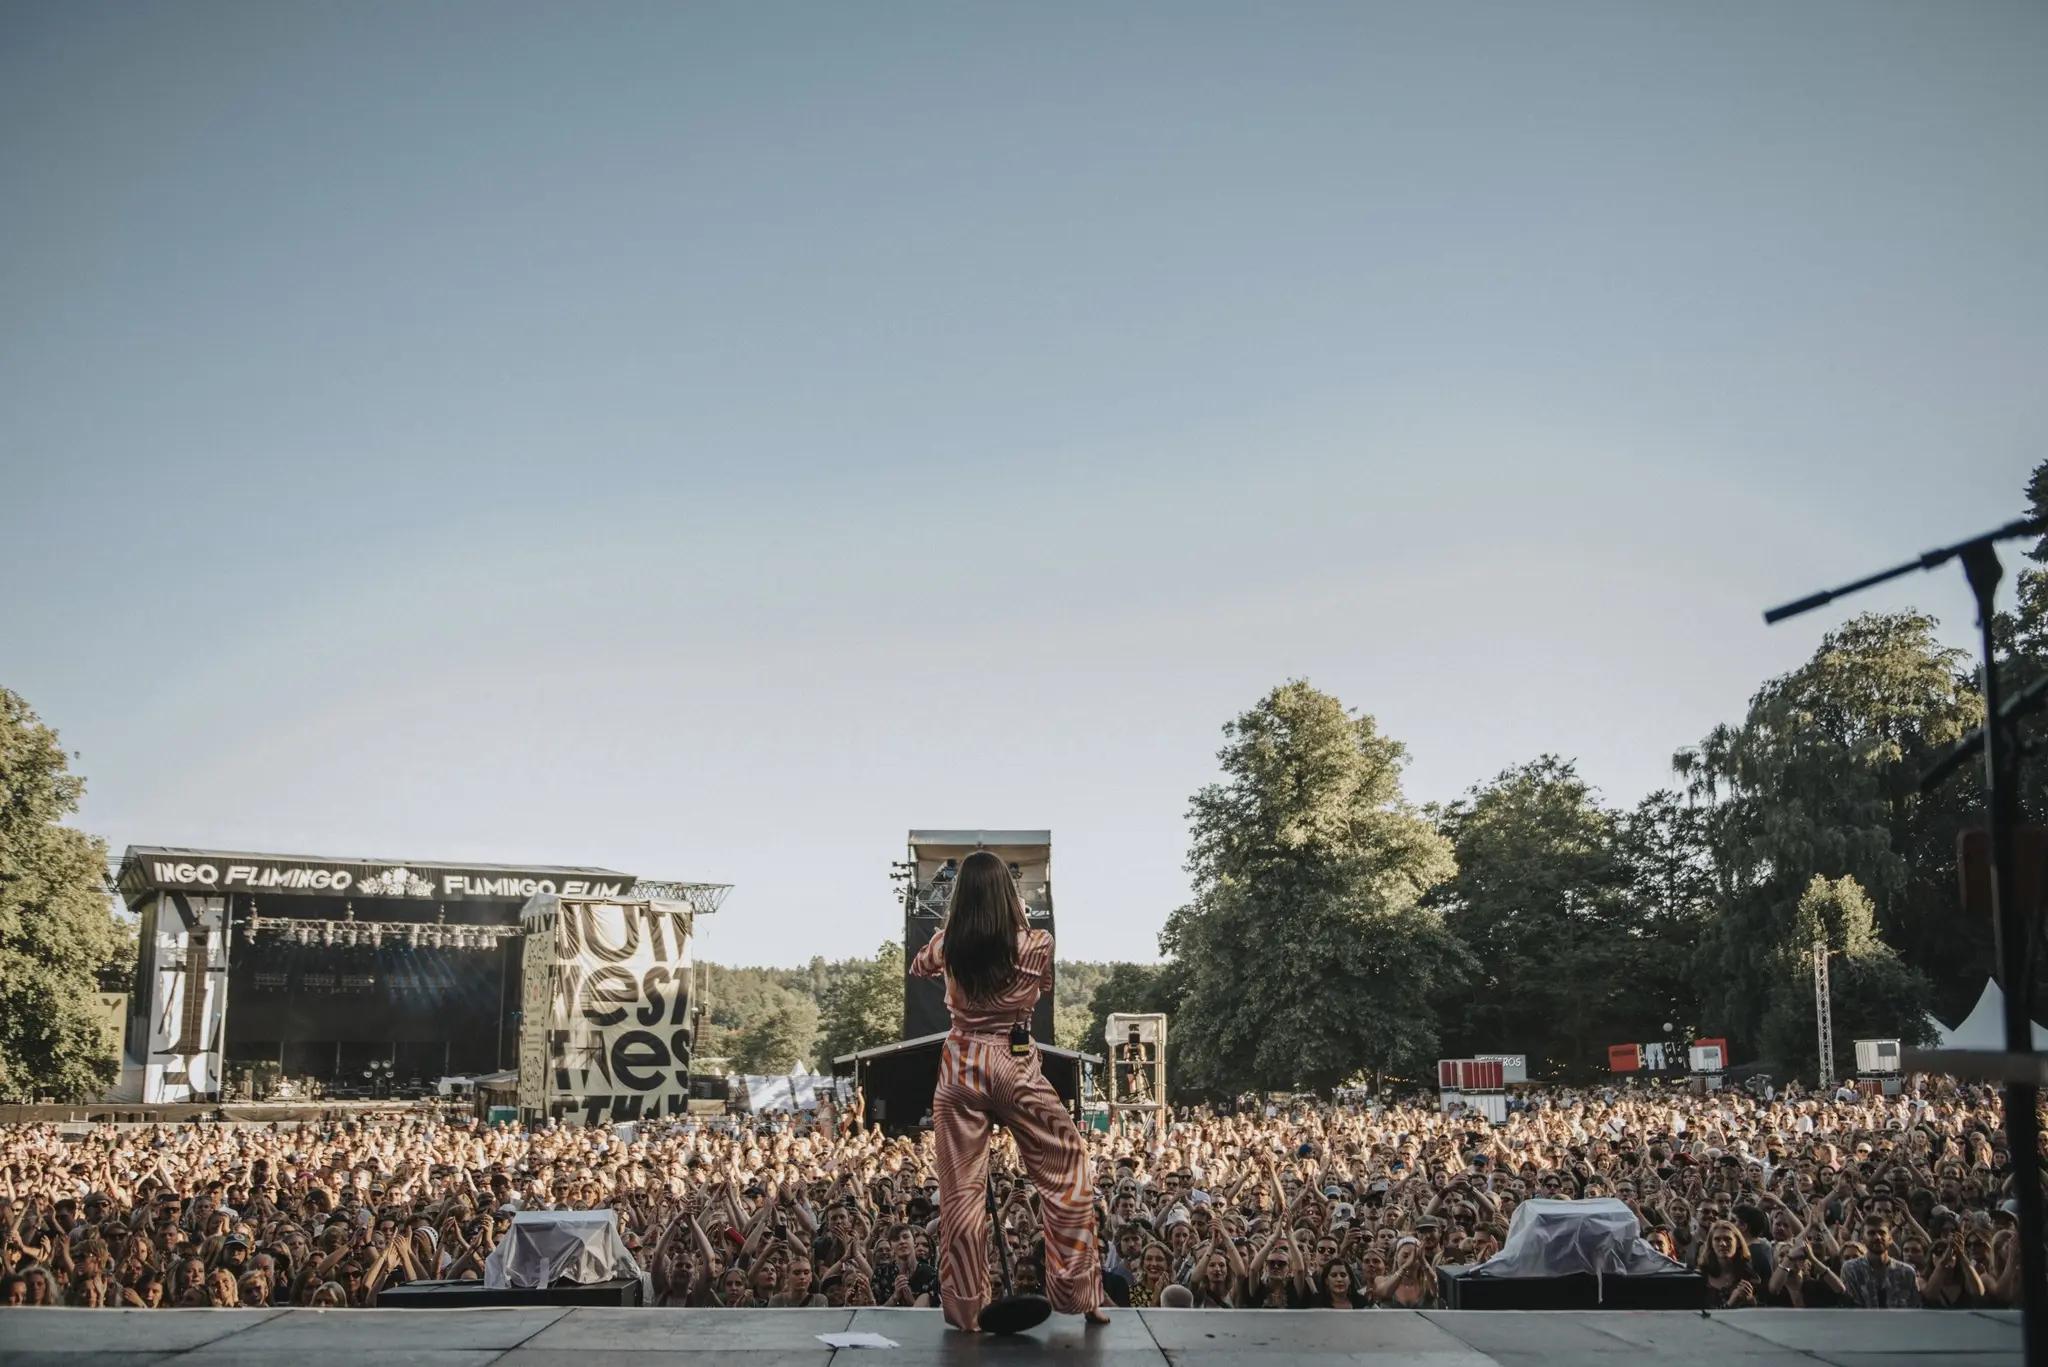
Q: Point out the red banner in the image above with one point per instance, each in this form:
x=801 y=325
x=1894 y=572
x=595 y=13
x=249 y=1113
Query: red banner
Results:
x=1481 y=1074
x=1471 y=1074
x=1624 y=1058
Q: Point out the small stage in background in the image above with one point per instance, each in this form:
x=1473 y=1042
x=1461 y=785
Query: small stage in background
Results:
x=544 y=1336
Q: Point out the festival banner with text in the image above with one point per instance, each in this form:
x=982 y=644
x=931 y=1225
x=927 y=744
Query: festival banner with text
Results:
x=610 y=1038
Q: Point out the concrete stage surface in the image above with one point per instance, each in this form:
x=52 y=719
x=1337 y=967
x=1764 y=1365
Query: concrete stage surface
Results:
x=553 y=1337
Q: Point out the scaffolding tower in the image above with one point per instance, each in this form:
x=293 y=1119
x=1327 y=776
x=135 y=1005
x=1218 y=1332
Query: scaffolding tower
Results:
x=1136 y=1044
x=1824 y=1014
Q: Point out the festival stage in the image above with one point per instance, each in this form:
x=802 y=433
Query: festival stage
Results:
x=552 y=1337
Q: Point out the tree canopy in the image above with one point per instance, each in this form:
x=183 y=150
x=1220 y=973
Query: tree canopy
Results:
x=1875 y=996
x=57 y=928
x=778 y=1039
x=1820 y=779
x=864 y=1009
x=1307 y=953
x=1542 y=899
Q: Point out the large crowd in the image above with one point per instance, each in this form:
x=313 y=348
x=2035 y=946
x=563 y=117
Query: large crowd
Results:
x=1796 y=1200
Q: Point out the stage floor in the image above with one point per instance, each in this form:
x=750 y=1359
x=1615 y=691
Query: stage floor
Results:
x=550 y=1337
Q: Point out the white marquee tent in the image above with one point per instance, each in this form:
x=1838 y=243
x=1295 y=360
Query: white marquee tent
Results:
x=1984 y=1027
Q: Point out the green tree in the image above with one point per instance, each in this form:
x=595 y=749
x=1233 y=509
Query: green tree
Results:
x=777 y=1040
x=57 y=928
x=1307 y=955
x=1069 y=1025
x=1663 y=844
x=2023 y=632
x=733 y=999
x=865 y=1009
x=1821 y=778
x=1875 y=996
x=2022 y=639
x=1074 y=985
x=1541 y=899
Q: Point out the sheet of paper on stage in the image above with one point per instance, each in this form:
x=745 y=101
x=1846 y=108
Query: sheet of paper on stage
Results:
x=860 y=1340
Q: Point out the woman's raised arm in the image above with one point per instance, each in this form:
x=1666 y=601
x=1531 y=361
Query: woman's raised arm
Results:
x=931 y=960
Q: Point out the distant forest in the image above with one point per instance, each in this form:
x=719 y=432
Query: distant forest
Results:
x=756 y=1014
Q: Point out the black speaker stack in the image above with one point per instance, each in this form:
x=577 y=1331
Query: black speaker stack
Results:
x=1578 y=1291
x=475 y=1295
x=933 y=857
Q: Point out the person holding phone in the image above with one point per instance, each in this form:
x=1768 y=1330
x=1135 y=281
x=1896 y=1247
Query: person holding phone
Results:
x=995 y=968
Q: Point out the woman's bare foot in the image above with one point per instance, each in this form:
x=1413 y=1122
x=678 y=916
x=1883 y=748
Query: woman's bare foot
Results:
x=1097 y=1316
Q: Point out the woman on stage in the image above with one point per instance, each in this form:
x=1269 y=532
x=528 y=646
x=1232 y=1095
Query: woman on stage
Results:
x=995 y=967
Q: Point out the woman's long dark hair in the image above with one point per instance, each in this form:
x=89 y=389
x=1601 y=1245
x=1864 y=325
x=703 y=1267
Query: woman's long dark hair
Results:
x=982 y=926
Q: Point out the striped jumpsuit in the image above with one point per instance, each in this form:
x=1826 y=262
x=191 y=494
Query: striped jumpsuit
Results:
x=979 y=1081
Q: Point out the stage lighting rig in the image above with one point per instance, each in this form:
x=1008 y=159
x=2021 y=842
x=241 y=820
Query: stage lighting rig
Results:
x=702 y=898
x=351 y=933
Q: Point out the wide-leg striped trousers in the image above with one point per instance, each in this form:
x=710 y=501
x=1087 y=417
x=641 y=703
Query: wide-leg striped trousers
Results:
x=980 y=1081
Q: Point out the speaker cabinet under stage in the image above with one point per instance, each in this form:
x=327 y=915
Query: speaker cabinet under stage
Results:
x=924 y=999
x=1578 y=1291
x=472 y=1295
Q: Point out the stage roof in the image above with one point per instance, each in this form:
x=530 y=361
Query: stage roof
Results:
x=147 y=868
x=972 y=838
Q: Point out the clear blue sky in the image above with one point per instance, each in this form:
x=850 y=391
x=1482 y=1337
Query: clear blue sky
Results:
x=711 y=440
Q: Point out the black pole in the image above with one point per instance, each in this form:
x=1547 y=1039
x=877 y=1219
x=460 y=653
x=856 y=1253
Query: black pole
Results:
x=2023 y=704
x=2010 y=921
x=988 y=1187
x=2012 y=924
x=1926 y=560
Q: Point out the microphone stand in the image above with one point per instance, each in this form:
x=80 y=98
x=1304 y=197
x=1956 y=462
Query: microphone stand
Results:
x=1009 y=1313
x=2011 y=922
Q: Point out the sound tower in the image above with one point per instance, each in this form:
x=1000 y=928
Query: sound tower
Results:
x=934 y=856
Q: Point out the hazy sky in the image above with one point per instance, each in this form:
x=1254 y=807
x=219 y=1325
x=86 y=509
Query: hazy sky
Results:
x=711 y=440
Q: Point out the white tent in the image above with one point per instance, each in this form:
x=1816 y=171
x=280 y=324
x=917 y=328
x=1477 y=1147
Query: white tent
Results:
x=1984 y=1027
